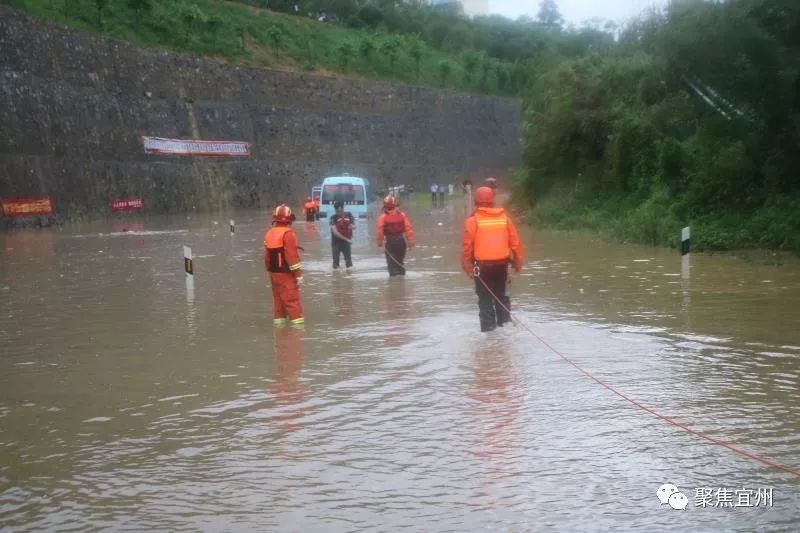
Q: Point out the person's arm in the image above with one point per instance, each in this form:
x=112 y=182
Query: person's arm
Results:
x=409 y=231
x=467 y=242
x=515 y=245
x=292 y=256
x=379 y=229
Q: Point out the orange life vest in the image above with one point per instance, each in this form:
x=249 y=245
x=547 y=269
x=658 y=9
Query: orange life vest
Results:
x=394 y=223
x=275 y=257
x=491 y=236
x=310 y=206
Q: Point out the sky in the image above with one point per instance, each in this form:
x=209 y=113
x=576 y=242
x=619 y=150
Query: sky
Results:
x=576 y=11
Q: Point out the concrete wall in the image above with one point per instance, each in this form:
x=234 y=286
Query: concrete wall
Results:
x=73 y=107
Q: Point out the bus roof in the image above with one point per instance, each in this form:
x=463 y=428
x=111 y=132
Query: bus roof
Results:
x=344 y=179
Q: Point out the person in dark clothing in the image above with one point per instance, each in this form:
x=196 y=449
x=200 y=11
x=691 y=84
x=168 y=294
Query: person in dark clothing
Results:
x=342 y=224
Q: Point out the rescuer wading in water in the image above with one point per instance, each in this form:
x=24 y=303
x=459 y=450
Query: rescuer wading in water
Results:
x=393 y=225
x=310 y=210
x=283 y=263
x=489 y=243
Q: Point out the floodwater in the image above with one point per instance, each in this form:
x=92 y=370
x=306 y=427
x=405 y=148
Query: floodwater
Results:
x=129 y=400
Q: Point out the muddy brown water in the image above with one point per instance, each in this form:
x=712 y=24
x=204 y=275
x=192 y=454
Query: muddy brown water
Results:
x=129 y=402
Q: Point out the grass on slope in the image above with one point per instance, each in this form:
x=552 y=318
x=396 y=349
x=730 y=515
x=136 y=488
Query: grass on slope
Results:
x=247 y=35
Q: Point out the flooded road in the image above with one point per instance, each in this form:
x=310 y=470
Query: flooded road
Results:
x=128 y=402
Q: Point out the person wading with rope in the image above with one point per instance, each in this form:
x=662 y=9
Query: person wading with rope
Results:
x=283 y=264
x=393 y=225
x=310 y=210
x=489 y=243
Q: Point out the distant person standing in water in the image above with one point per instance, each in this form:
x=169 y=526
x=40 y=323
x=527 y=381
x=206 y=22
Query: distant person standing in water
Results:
x=393 y=226
x=342 y=224
x=434 y=194
x=310 y=210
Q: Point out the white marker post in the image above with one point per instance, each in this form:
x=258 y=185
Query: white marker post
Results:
x=233 y=227
x=686 y=241
x=686 y=266
x=188 y=267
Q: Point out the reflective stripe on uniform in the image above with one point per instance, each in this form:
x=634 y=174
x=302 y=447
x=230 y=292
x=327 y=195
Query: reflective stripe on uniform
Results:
x=300 y=320
x=483 y=222
x=294 y=266
x=279 y=321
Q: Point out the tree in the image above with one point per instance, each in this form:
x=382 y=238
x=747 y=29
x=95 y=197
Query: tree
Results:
x=371 y=15
x=140 y=7
x=100 y=5
x=345 y=52
x=389 y=48
x=549 y=15
x=445 y=68
x=275 y=36
x=416 y=51
x=365 y=47
x=471 y=60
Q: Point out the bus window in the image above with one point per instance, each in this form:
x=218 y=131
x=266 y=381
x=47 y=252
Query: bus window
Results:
x=345 y=192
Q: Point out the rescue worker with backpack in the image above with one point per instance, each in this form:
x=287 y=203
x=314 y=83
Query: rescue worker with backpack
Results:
x=283 y=264
x=489 y=243
x=310 y=210
x=394 y=227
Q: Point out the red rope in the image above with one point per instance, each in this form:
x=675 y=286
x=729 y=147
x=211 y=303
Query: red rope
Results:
x=667 y=419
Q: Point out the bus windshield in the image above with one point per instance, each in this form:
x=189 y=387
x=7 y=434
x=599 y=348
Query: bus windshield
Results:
x=348 y=193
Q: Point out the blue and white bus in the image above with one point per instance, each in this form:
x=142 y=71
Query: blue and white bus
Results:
x=352 y=191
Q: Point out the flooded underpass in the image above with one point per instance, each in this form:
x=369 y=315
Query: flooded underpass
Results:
x=129 y=400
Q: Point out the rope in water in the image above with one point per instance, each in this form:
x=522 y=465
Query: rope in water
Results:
x=714 y=440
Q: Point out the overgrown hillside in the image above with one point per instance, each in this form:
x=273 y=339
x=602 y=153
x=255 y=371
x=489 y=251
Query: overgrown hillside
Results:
x=410 y=42
x=692 y=119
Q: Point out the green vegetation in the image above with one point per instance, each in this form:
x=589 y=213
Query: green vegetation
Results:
x=689 y=116
x=401 y=41
x=693 y=118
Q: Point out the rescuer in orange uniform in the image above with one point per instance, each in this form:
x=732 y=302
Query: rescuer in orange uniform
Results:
x=310 y=210
x=489 y=243
x=316 y=206
x=393 y=225
x=283 y=264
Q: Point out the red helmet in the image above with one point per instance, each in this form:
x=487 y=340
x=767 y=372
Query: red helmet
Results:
x=389 y=203
x=484 y=197
x=282 y=214
x=491 y=182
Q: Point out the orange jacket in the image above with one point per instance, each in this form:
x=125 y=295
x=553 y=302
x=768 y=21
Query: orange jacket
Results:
x=392 y=223
x=309 y=206
x=280 y=245
x=489 y=235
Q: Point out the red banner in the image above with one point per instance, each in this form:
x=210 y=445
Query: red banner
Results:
x=158 y=145
x=131 y=204
x=25 y=207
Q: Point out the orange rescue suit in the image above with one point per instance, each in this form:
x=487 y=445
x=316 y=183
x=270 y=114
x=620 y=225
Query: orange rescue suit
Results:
x=309 y=207
x=394 y=223
x=489 y=235
x=283 y=263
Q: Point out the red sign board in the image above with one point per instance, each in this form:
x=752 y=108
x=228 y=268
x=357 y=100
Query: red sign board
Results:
x=158 y=145
x=24 y=207
x=131 y=204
